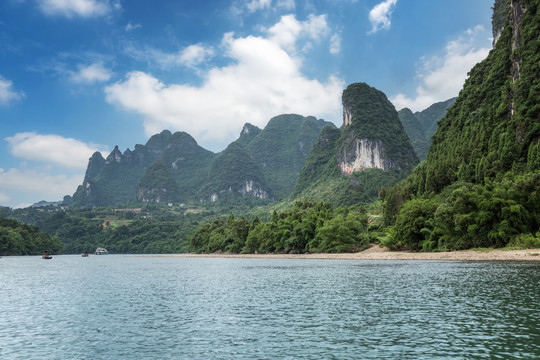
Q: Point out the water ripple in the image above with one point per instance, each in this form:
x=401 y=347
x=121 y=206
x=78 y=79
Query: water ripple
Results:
x=120 y=307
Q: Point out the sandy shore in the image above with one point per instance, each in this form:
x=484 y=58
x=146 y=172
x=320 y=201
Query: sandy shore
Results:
x=377 y=253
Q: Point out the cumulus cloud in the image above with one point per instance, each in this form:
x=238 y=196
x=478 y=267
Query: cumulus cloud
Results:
x=7 y=93
x=66 y=152
x=380 y=15
x=264 y=79
x=442 y=76
x=83 y=8
x=90 y=74
x=289 y=30
x=29 y=185
x=194 y=55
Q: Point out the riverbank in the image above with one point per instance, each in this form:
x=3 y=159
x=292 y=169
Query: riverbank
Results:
x=377 y=253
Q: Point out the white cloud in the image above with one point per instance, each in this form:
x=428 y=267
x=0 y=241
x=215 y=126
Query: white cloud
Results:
x=66 y=152
x=131 y=27
x=264 y=79
x=335 y=44
x=194 y=55
x=31 y=186
x=83 y=8
x=288 y=30
x=190 y=56
x=90 y=74
x=7 y=93
x=443 y=76
x=380 y=15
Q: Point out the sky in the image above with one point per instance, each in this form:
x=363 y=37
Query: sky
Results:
x=79 y=76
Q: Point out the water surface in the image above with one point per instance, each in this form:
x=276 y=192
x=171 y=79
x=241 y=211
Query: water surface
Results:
x=129 y=307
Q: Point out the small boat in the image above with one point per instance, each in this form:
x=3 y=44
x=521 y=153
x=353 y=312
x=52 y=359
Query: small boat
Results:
x=101 y=251
x=85 y=254
x=46 y=255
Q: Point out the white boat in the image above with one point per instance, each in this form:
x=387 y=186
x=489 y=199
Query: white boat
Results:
x=101 y=251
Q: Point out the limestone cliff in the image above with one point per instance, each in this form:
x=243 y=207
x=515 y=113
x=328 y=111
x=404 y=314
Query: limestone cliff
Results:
x=372 y=135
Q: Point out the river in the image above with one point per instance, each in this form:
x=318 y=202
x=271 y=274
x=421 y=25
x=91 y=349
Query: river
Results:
x=137 y=307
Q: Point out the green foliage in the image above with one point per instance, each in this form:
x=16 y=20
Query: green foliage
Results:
x=482 y=170
x=307 y=227
x=411 y=225
x=465 y=216
x=20 y=239
x=526 y=241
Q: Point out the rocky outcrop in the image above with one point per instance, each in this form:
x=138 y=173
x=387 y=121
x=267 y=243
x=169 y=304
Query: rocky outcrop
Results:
x=347 y=116
x=114 y=156
x=252 y=189
x=372 y=136
x=364 y=154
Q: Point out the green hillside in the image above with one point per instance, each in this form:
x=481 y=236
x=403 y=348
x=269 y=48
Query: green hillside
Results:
x=371 y=151
x=232 y=174
x=430 y=117
x=282 y=147
x=480 y=184
x=415 y=131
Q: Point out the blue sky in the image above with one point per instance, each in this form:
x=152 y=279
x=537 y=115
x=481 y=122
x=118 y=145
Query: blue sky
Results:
x=78 y=76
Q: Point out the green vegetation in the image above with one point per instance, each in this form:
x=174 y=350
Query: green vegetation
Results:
x=173 y=167
x=234 y=173
x=480 y=184
x=152 y=229
x=282 y=147
x=20 y=239
x=478 y=187
x=307 y=227
x=372 y=117
x=466 y=215
x=415 y=131
x=157 y=184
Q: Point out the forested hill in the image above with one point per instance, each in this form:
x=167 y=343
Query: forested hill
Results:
x=20 y=239
x=421 y=125
x=350 y=165
x=480 y=183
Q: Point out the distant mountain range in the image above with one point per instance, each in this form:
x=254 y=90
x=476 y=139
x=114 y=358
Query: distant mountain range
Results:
x=260 y=166
x=346 y=165
x=421 y=125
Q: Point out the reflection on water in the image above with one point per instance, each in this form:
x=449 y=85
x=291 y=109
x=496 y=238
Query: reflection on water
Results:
x=122 y=307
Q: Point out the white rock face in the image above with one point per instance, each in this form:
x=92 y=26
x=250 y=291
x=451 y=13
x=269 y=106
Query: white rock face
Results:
x=347 y=116
x=214 y=197
x=248 y=188
x=367 y=154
